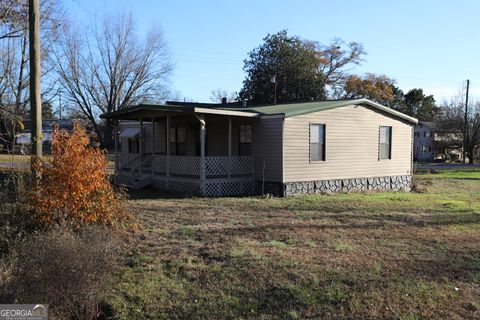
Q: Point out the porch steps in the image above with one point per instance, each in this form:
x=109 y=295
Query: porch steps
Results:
x=139 y=183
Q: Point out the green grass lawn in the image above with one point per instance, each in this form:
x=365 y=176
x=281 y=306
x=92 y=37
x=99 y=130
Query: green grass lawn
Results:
x=362 y=255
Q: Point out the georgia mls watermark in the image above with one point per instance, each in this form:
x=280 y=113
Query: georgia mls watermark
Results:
x=23 y=312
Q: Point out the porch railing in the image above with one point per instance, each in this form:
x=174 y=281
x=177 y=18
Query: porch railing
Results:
x=229 y=166
x=215 y=167
x=222 y=175
x=127 y=160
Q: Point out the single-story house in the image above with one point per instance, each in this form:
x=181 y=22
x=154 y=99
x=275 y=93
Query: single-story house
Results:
x=23 y=139
x=285 y=149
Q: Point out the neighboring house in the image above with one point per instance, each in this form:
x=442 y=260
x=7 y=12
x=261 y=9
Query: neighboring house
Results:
x=424 y=148
x=431 y=143
x=303 y=148
x=23 y=139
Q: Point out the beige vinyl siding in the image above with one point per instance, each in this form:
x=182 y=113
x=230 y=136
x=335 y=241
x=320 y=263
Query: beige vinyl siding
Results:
x=267 y=148
x=352 y=145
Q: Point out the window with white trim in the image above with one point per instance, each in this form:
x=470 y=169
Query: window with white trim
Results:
x=317 y=142
x=385 y=149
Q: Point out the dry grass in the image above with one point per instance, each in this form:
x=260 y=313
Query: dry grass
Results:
x=14 y=158
x=386 y=255
x=17 y=161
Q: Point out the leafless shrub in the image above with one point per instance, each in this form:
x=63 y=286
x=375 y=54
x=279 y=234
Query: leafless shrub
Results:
x=420 y=186
x=66 y=270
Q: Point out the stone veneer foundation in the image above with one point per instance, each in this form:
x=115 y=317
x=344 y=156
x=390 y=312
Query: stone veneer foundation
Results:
x=395 y=183
x=391 y=183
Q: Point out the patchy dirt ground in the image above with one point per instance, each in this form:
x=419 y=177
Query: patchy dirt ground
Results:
x=385 y=255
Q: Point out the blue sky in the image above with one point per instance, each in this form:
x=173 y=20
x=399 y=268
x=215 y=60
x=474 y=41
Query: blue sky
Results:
x=428 y=44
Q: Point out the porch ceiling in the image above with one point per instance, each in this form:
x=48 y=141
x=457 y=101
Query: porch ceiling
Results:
x=151 y=110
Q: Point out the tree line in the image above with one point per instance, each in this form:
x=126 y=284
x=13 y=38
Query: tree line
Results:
x=92 y=69
x=108 y=66
x=287 y=69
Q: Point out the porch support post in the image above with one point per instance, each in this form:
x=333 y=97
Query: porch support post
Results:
x=115 y=138
x=201 y=118
x=153 y=141
x=229 y=145
x=167 y=144
x=140 y=144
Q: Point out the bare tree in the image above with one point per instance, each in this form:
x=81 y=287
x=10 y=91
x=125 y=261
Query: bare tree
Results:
x=14 y=60
x=218 y=94
x=110 y=68
x=452 y=124
x=12 y=18
x=336 y=59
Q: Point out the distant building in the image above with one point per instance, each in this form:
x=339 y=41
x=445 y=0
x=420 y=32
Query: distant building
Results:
x=431 y=143
x=423 y=146
x=23 y=139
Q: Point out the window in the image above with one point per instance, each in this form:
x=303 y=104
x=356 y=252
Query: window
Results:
x=426 y=149
x=385 y=151
x=317 y=142
x=133 y=145
x=417 y=134
x=426 y=134
x=244 y=140
x=178 y=139
x=173 y=135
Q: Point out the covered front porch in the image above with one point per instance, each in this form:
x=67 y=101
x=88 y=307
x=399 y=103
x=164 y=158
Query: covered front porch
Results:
x=198 y=151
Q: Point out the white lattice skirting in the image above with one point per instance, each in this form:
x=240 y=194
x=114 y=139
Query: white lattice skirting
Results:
x=229 y=187
x=224 y=176
x=213 y=187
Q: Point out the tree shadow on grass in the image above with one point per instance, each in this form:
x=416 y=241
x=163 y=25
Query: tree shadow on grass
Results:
x=151 y=193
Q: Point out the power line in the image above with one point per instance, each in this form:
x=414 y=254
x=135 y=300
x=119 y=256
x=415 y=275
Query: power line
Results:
x=206 y=57
x=82 y=7
x=208 y=52
x=465 y=135
x=211 y=61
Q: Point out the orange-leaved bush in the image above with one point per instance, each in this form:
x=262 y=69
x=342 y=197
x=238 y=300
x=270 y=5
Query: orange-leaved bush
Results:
x=73 y=186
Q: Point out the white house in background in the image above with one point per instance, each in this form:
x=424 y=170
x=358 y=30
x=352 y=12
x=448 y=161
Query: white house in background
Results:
x=431 y=143
x=301 y=148
x=424 y=146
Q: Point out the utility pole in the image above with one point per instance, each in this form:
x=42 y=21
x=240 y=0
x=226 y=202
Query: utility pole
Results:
x=35 y=98
x=274 y=81
x=465 y=133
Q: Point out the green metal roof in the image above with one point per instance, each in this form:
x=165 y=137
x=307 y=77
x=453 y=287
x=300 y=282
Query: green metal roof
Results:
x=286 y=110
x=145 y=107
x=295 y=109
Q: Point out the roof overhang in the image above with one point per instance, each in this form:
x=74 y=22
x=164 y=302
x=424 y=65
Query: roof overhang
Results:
x=296 y=109
x=147 y=111
x=354 y=102
x=130 y=133
x=387 y=110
